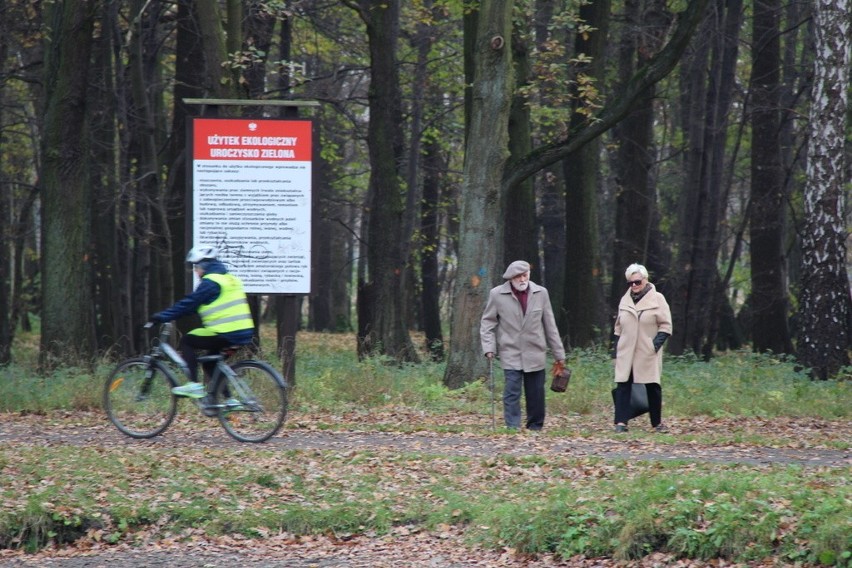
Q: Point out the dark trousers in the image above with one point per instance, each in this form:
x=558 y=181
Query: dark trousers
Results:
x=189 y=343
x=533 y=388
x=623 y=412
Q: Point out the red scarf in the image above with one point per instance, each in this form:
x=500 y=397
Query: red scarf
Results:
x=522 y=298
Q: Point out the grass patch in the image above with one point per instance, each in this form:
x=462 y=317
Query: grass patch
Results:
x=562 y=506
x=736 y=514
x=329 y=378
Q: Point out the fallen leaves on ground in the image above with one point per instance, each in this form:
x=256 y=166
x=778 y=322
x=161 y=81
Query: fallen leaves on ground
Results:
x=393 y=439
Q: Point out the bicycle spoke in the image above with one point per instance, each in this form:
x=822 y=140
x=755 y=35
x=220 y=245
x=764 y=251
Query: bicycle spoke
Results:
x=259 y=402
x=138 y=398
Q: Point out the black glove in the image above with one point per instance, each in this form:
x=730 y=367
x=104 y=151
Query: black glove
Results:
x=156 y=318
x=659 y=339
x=614 y=346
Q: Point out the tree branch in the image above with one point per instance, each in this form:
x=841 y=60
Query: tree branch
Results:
x=651 y=74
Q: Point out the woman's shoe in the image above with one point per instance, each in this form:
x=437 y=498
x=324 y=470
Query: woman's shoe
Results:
x=621 y=428
x=661 y=428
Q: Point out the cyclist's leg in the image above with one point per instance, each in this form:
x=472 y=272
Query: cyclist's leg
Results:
x=200 y=338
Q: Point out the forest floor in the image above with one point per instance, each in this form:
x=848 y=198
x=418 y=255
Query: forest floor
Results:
x=798 y=442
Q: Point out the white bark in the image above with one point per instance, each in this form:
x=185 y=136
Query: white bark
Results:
x=825 y=303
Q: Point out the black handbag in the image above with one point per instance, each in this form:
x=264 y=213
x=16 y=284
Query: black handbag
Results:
x=638 y=400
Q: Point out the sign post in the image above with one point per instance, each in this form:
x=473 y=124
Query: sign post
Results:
x=250 y=195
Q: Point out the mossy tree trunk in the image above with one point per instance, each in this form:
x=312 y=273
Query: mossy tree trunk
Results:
x=67 y=327
x=481 y=229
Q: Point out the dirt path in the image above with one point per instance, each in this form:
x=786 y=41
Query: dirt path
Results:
x=805 y=446
x=94 y=431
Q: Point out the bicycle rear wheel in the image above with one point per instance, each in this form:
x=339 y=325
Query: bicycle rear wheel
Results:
x=138 y=398
x=261 y=395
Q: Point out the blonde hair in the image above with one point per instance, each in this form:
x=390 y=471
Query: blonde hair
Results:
x=634 y=268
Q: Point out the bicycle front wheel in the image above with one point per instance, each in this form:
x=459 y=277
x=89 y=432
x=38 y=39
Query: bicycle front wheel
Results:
x=254 y=403
x=138 y=398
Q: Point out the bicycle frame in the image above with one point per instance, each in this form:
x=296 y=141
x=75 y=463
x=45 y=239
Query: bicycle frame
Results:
x=163 y=347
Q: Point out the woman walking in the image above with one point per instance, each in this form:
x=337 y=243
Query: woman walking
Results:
x=643 y=324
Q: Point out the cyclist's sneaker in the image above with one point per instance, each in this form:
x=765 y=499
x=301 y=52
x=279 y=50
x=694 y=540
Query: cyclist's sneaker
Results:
x=192 y=390
x=233 y=404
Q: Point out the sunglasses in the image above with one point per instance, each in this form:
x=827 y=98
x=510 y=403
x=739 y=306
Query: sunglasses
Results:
x=635 y=282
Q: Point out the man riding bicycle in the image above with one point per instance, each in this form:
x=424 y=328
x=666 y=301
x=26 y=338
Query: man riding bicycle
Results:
x=225 y=315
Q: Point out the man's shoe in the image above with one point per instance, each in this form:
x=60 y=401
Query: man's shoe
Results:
x=661 y=428
x=620 y=428
x=191 y=390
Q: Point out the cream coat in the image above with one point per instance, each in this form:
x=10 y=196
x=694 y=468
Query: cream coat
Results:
x=520 y=340
x=636 y=325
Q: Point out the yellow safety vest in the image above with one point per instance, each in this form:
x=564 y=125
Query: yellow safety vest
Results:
x=230 y=311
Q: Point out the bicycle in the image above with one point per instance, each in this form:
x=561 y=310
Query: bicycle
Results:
x=248 y=396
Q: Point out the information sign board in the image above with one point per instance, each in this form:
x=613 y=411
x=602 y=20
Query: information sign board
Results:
x=251 y=198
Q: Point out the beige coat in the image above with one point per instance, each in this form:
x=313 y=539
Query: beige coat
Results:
x=520 y=340
x=636 y=325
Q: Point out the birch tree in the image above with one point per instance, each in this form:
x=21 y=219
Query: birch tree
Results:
x=824 y=338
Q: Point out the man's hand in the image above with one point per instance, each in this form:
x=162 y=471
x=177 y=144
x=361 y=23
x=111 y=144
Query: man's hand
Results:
x=489 y=355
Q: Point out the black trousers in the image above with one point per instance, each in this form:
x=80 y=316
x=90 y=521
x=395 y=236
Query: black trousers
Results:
x=188 y=345
x=623 y=412
x=533 y=387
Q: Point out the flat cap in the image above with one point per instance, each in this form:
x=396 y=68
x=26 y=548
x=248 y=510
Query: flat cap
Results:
x=516 y=269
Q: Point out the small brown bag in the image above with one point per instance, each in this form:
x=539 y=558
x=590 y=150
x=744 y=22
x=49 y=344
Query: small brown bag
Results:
x=561 y=376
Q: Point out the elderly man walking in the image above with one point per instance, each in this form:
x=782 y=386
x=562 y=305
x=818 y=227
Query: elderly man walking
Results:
x=518 y=325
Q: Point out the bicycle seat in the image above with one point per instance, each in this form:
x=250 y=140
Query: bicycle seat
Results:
x=212 y=357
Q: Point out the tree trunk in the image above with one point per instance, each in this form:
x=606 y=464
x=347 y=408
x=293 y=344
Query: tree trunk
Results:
x=383 y=319
x=480 y=236
x=636 y=195
x=550 y=184
x=520 y=230
x=111 y=333
x=694 y=282
x=67 y=313
x=188 y=84
x=259 y=29
x=219 y=82
x=770 y=331
x=7 y=296
x=6 y=275
x=824 y=340
x=430 y=293
x=582 y=250
x=322 y=247
x=332 y=256
x=723 y=83
x=153 y=240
